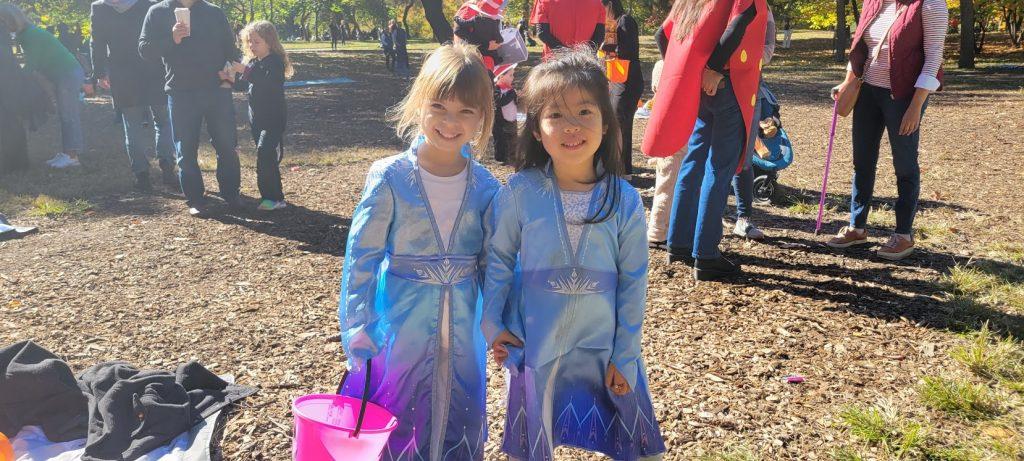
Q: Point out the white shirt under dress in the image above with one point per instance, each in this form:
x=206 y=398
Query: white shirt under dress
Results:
x=445 y=193
x=935 y=17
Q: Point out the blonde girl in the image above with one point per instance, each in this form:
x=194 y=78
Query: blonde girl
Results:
x=411 y=280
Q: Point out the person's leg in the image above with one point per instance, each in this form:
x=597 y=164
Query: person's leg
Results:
x=69 y=110
x=727 y=135
x=164 y=140
x=498 y=133
x=904 y=162
x=667 y=171
x=625 y=111
x=220 y=123
x=743 y=188
x=13 y=142
x=268 y=160
x=868 y=124
x=134 y=138
x=683 y=220
x=185 y=108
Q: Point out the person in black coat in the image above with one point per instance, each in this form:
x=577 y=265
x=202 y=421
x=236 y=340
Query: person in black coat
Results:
x=625 y=96
x=262 y=78
x=136 y=85
x=22 y=102
x=399 y=38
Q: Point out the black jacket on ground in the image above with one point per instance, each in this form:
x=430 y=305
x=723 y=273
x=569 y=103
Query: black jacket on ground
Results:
x=122 y=412
x=134 y=81
x=263 y=81
x=193 y=64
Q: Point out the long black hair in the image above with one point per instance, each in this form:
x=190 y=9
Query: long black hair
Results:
x=576 y=69
x=617 y=8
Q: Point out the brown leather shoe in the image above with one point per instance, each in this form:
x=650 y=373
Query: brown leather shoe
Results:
x=848 y=237
x=897 y=248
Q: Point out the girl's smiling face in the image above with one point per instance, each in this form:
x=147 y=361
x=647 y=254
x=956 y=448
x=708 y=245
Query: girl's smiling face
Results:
x=448 y=124
x=571 y=128
x=257 y=46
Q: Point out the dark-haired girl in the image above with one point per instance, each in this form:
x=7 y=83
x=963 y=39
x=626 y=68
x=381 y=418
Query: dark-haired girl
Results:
x=566 y=277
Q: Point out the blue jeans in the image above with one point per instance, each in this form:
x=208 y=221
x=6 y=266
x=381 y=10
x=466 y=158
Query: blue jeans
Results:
x=702 y=189
x=876 y=111
x=135 y=133
x=743 y=188
x=188 y=110
x=68 y=89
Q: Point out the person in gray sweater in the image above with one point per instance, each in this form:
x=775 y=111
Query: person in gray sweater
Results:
x=195 y=55
x=136 y=85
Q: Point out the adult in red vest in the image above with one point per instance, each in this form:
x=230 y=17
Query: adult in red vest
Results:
x=706 y=96
x=897 y=55
x=568 y=23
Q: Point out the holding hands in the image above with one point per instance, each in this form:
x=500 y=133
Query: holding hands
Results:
x=499 y=350
x=614 y=380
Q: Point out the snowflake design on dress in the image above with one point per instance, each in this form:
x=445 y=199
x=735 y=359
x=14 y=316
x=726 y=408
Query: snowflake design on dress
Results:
x=444 y=273
x=411 y=178
x=574 y=284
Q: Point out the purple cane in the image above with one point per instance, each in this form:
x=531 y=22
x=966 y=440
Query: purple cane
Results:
x=828 y=165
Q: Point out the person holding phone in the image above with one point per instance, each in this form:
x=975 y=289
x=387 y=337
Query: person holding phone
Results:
x=195 y=41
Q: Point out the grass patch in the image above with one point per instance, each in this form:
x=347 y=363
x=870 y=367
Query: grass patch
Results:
x=47 y=206
x=846 y=454
x=883 y=218
x=1001 y=359
x=932 y=233
x=959 y=398
x=802 y=207
x=991 y=282
x=1007 y=251
x=881 y=426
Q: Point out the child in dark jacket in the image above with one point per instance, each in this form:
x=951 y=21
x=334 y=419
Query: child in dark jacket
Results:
x=505 y=113
x=262 y=77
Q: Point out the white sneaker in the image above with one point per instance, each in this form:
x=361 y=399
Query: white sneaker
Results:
x=745 y=229
x=60 y=157
x=65 y=162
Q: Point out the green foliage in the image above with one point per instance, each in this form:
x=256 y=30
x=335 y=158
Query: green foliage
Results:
x=960 y=398
x=881 y=426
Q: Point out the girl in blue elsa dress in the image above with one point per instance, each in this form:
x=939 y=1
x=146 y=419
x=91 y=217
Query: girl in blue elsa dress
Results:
x=566 y=277
x=410 y=289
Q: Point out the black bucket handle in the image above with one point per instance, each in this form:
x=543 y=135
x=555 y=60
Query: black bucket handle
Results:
x=365 y=399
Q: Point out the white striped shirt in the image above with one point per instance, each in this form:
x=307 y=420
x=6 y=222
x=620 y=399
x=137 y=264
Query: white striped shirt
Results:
x=935 y=15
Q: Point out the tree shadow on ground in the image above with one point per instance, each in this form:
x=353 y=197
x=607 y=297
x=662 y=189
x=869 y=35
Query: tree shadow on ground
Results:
x=880 y=291
x=315 y=231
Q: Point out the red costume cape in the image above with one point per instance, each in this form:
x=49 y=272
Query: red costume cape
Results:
x=679 y=89
x=572 y=21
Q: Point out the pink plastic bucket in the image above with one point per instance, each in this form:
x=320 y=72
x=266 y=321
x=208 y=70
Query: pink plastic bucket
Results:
x=323 y=433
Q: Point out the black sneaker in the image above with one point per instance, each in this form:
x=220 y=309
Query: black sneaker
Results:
x=685 y=258
x=714 y=269
x=142 y=183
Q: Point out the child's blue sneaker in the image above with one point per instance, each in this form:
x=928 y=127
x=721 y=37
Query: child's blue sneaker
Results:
x=271 y=205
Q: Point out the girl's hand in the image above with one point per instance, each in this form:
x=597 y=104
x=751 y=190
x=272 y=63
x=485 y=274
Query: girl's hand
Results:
x=493 y=45
x=224 y=76
x=498 y=349
x=911 y=120
x=838 y=89
x=710 y=81
x=237 y=67
x=179 y=32
x=615 y=381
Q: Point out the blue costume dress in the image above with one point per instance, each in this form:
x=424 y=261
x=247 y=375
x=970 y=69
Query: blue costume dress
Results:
x=412 y=304
x=577 y=310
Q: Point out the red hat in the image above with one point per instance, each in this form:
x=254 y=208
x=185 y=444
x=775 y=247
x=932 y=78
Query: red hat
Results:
x=488 y=8
x=502 y=69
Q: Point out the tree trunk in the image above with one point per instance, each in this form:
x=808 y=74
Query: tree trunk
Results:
x=405 y=15
x=856 y=13
x=842 y=35
x=966 y=35
x=434 y=12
